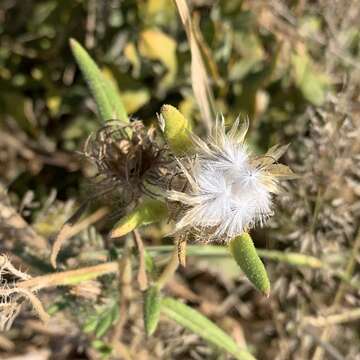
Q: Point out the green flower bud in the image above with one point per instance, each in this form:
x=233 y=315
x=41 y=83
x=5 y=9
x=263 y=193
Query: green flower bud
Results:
x=244 y=252
x=176 y=130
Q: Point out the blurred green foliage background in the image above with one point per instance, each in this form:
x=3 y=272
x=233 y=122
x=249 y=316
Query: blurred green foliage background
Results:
x=255 y=69
x=291 y=66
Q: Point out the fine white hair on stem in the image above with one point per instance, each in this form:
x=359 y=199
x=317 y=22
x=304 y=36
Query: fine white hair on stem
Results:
x=229 y=190
x=12 y=295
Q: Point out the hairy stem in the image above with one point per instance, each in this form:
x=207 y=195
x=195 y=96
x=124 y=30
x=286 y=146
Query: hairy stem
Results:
x=70 y=277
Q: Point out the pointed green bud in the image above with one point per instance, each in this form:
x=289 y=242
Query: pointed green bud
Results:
x=176 y=130
x=244 y=252
x=146 y=213
x=152 y=307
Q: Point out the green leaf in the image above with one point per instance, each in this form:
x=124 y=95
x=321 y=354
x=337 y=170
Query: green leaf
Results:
x=244 y=252
x=254 y=82
x=112 y=92
x=134 y=99
x=176 y=130
x=156 y=45
x=152 y=307
x=104 y=349
x=200 y=325
x=149 y=263
x=106 y=320
x=91 y=324
x=107 y=99
x=146 y=213
x=100 y=323
x=313 y=84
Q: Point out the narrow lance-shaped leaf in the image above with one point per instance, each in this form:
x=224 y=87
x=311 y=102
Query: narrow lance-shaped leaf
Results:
x=106 y=321
x=244 y=252
x=100 y=323
x=200 y=325
x=152 y=307
x=112 y=93
x=146 y=213
x=107 y=99
x=176 y=130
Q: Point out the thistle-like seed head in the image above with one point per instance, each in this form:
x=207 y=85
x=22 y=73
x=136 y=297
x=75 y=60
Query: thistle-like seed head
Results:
x=128 y=160
x=227 y=189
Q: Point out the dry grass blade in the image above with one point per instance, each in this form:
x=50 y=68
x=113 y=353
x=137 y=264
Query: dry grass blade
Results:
x=347 y=316
x=69 y=229
x=199 y=78
x=69 y=278
x=10 y=308
x=325 y=346
x=125 y=292
x=181 y=246
x=15 y=227
x=36 y=303
x=7 y=267
x=8 y=312
x=6 y=344
x=169 y=269
x=327 y=332
x=12 y=295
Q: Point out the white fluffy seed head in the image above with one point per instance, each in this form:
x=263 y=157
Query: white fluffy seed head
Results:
x=229 y=190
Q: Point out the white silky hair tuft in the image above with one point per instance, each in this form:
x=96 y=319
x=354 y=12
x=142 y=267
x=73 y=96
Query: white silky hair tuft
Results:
x=227 y=193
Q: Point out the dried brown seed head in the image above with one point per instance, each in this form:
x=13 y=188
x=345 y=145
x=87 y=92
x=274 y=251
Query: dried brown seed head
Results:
x=129 y=161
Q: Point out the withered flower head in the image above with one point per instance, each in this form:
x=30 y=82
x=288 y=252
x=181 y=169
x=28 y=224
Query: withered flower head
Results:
x=229 y=190
x=128 y=160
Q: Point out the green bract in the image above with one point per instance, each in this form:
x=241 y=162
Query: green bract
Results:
x=177 y=130
x=146 y=213
x=244 y=252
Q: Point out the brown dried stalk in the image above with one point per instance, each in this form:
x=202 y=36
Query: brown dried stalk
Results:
x=68 y=278
x=125 y=292
x=169 y=270
x=141 y=276
x=327 y=332
x=199 y=78
x=12 y=296
x=14 y=226
x=70 y=229
x=347 y=316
